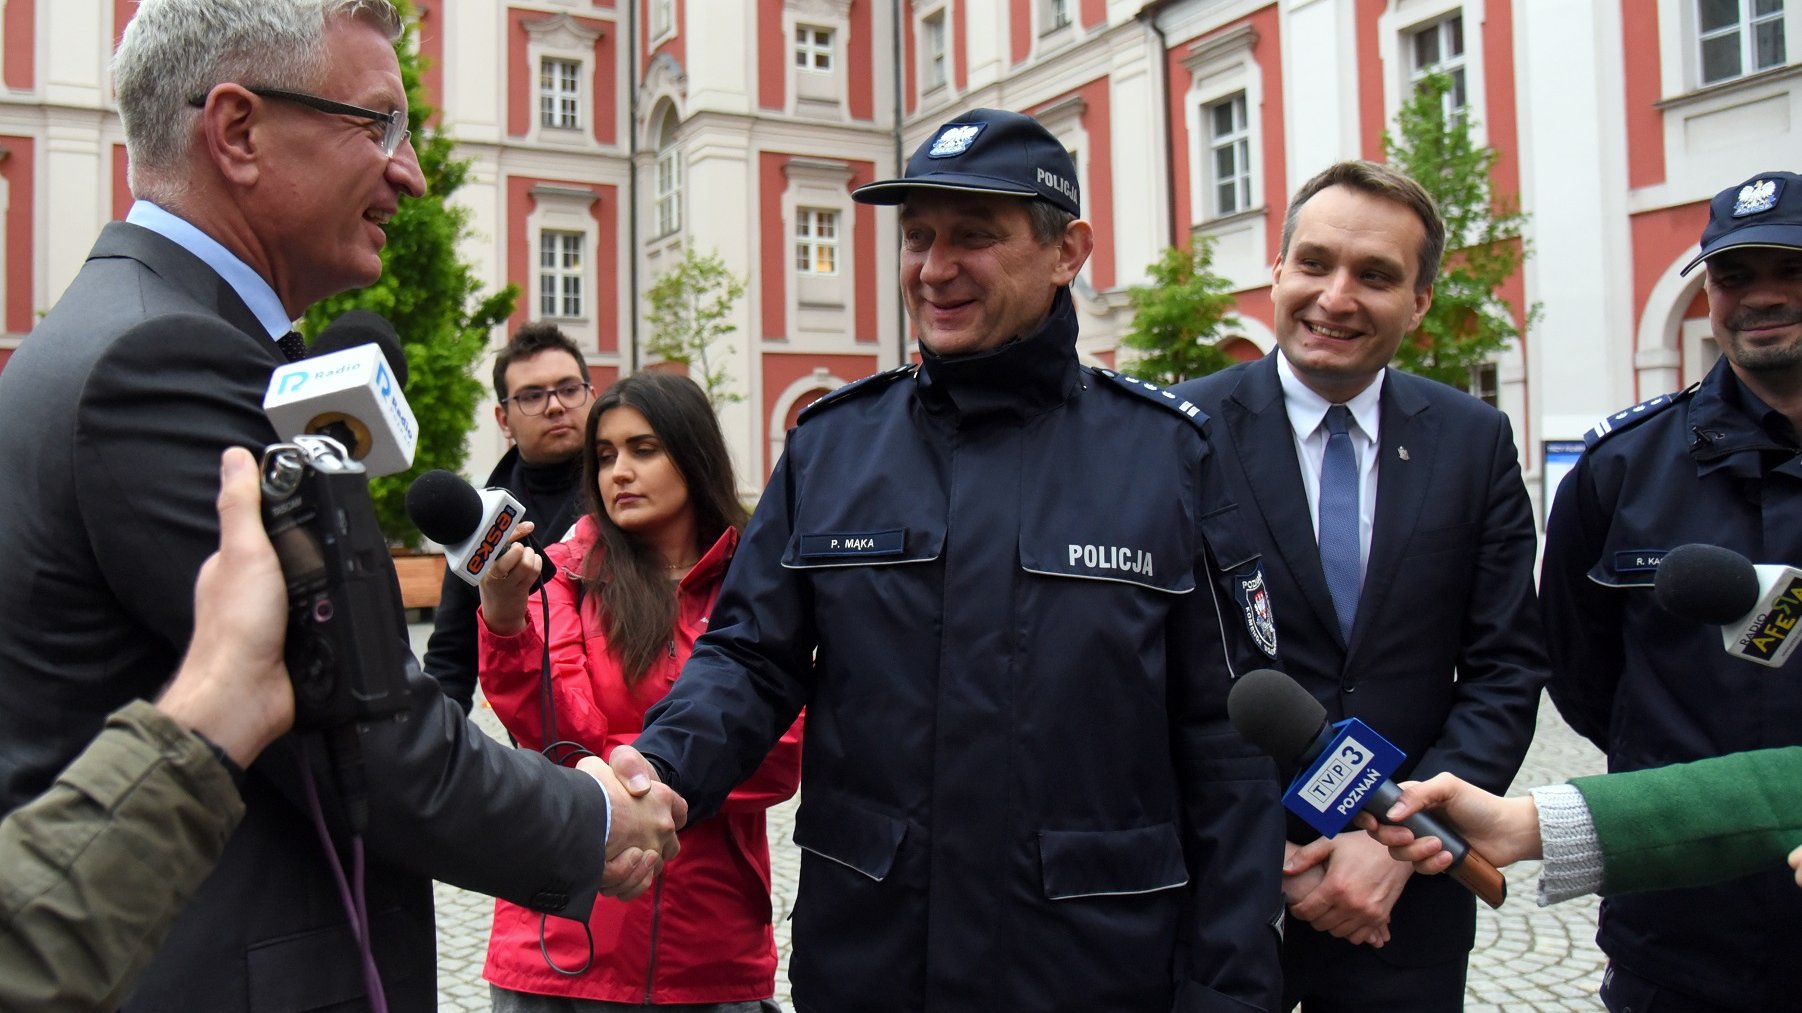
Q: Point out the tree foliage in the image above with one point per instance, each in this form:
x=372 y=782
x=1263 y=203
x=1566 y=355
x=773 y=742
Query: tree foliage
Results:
x=1179 y=316
x=434 y=299
x=1469 y=321
x=689 y=316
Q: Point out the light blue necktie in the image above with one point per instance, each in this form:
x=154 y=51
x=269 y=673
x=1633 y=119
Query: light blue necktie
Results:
x=1340 y=554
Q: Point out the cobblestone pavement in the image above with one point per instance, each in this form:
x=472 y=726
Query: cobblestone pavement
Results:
x=1526 y=957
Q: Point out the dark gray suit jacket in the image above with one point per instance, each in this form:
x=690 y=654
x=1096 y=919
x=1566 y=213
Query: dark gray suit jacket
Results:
x=1446 y=658
x=117 y=407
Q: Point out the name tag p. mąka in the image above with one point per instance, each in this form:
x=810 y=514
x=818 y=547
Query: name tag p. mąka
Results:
x=853 y=544
x=1329 y=791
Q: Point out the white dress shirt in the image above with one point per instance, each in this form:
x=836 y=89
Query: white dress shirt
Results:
x=1307 y=417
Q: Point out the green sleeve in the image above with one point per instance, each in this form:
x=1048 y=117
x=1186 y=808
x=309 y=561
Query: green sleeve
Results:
x=1691 y=824
x=93 y=871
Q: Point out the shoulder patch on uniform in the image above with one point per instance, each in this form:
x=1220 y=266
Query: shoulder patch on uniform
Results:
x=868 y=383
x=1629 y=417
x=1157 y=395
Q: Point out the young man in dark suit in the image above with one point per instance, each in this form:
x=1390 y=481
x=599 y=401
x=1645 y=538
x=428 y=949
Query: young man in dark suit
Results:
x=1397 y=533
x=269 y=145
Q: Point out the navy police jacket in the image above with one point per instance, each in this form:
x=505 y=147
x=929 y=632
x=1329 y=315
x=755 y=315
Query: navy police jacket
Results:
x=1010 y=596
x=1651 y=688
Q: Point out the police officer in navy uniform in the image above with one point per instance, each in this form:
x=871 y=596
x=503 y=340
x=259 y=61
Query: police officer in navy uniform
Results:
x=1012 y=598
x=1718 y=463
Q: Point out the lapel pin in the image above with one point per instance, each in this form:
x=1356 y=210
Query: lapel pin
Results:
x=1401 y=452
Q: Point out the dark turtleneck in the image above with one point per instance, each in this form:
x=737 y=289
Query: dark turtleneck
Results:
x=539 y=485
x=1023 y=377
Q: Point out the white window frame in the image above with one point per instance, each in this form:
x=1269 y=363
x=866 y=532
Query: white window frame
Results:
x=935 y=50
x=666 y=179
x=663 y=20
x=816 y=239
x=1444 y=32
x=559 y=93
x=1395 y=45
x=814 y=43
x=820 y=309
x=1237 y=140
x=1055 y=15
x=1745 y=26
x=562 y=283
x=562 y=38
x=1221 y=66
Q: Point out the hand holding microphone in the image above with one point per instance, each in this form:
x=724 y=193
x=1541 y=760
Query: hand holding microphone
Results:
x=1505 y=830
x=1343 y=769
x=483 y=537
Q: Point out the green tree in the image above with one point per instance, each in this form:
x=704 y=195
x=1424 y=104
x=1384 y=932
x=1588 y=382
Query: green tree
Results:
x=434 y=299
x=1179 y=316
x=691 y=311
x=1469 y=321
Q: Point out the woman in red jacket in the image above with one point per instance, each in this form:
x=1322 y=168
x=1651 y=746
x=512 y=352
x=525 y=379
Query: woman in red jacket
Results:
x=635 y=582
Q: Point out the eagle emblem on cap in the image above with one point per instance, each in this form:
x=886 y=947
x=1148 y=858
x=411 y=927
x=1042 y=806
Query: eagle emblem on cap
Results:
x=1755 y=197
x=954 y=140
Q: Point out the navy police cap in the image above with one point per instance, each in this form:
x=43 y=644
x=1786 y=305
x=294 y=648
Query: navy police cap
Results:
x=986 y=151
x=1765 y=210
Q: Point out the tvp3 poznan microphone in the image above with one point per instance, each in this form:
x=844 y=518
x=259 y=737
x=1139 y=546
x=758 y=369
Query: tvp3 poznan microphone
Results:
x=1756 y=607
x=472 y=526
x=1342 y=768
x=349 y=389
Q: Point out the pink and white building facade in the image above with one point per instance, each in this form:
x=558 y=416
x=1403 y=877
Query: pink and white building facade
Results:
x=607 y=134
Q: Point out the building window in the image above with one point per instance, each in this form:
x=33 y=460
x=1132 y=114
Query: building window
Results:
x=662 y=18
x=813 y=48
x=1056 y=15
x=1440 y=47
x=1739 y=37
x=559 y=93
x=669 y=178
x=560 y=274
x=932 y=48
x=1229 y=156
x=816 y=241
x=1485 y=385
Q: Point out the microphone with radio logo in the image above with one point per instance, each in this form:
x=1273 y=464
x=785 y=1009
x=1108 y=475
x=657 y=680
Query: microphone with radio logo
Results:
x=1757 y=607
x=1342 y=769
x=349 y=388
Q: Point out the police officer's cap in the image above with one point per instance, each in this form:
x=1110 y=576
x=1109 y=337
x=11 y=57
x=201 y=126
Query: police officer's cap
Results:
x=1765 y=210
x=986 y=151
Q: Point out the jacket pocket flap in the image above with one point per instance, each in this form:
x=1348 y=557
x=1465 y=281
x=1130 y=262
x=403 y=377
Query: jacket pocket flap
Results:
x=849 y=835
x=1100 y=863
x=1228 y=540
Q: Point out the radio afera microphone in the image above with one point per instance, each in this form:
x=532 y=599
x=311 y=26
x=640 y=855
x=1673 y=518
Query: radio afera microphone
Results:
x=1757 y=607
x=1343 y=768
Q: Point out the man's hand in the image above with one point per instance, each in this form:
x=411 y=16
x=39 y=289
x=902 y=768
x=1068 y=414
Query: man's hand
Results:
x=507 y=586
x=1300 y=875
x=1359 y=889
x=233 y=686
x=1503 y=830
x=1795 y=862
x=645 y=821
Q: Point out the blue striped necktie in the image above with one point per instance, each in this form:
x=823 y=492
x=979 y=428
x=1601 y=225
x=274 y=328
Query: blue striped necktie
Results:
x=1341 y=555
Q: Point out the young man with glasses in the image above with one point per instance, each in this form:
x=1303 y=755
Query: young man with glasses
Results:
x=543 y=396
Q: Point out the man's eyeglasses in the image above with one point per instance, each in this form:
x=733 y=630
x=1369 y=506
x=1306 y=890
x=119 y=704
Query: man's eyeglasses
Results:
x=394 y=123
x=534 y=400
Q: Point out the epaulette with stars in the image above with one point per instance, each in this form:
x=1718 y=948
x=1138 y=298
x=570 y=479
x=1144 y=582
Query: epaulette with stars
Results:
x=1627 y=418
x=872 y=382
x=1158 y=396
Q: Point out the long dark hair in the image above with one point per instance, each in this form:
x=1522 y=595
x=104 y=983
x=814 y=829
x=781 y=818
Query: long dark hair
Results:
x=637 y=600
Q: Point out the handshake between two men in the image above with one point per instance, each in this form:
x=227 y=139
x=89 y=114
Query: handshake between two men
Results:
x=645 y=815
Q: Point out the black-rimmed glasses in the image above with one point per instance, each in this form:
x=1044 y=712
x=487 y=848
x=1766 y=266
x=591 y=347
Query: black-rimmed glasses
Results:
x=394 y=123
x=534 y=400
